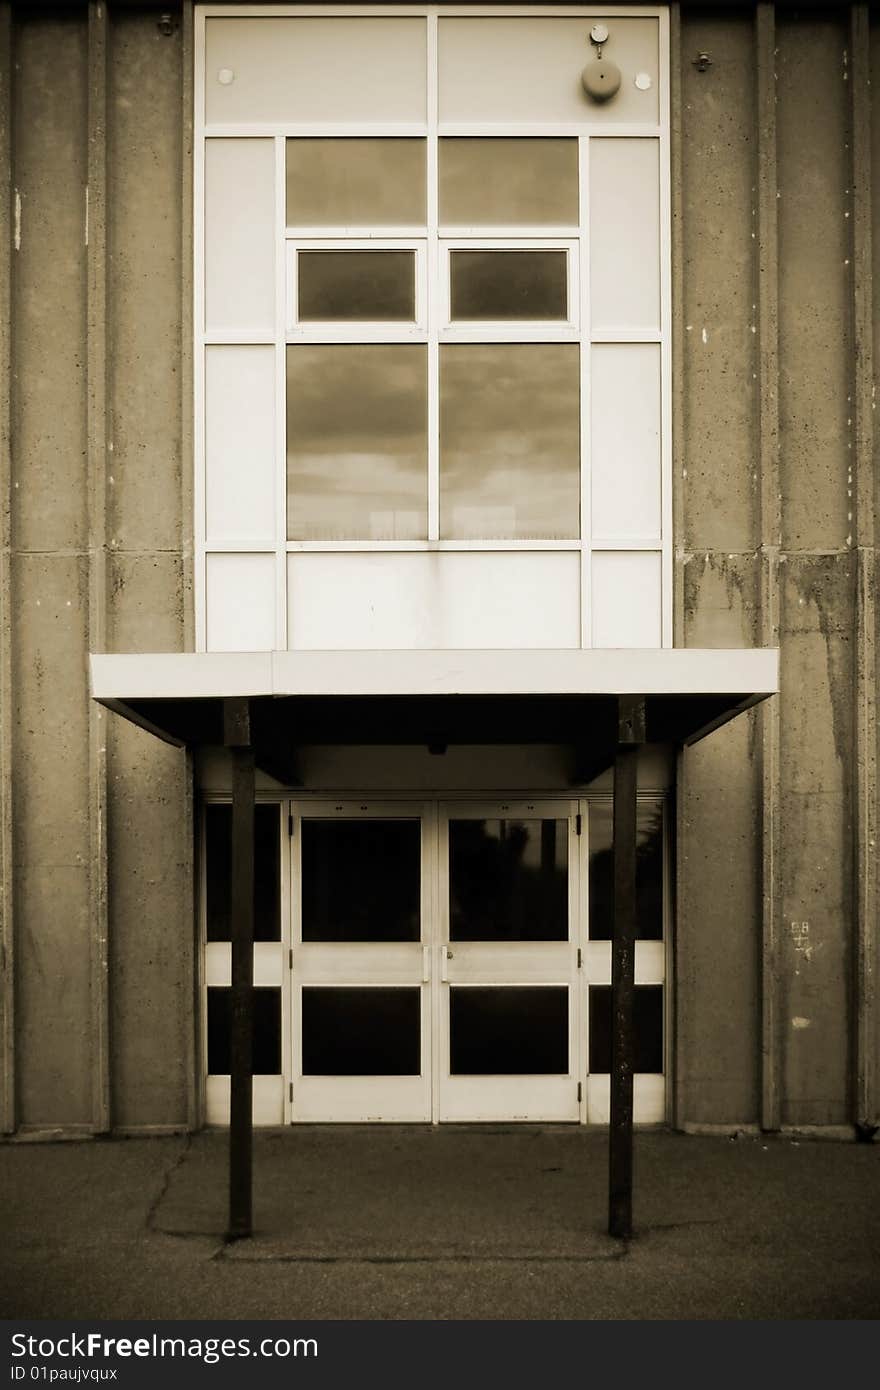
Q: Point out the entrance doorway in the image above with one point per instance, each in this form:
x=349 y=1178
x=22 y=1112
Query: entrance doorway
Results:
x=445 y=961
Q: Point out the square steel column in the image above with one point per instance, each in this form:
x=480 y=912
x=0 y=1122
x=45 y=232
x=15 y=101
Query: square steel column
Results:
x=237 y=736
x=630 y=737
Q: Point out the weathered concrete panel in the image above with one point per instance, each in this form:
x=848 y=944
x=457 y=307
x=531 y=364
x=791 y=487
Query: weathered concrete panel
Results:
x=144 y=217
x=718 y=212
x=717 y=941
x=150 y=854
x=814 y=315
x=720 y=599
x=49 y=170
x=816 y=760
x=51 y=839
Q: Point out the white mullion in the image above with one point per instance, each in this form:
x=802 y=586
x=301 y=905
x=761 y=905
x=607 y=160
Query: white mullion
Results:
x=281 y=635
x=550 y=129
x=666 y=637
x=199 y=480
x=402 y=547
x=586 y=476
x=433 y=286
x=304 y=130
x=353 y=235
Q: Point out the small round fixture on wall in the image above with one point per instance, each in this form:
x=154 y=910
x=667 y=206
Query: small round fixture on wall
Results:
x=643 y=81
x=225 y=76
x=601 y=79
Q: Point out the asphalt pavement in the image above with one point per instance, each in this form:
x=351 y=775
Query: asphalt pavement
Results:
x=412 y=1222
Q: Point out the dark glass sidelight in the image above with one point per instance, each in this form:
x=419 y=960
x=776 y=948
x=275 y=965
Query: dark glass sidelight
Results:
x=363 y=1031
x=356 y=182
x=508 y=880
x=508 y=1030
x=649 y=871
x=361 y=880
x=267 y=869
x=266 y=1031
x=647 y=1026
x=497 y=181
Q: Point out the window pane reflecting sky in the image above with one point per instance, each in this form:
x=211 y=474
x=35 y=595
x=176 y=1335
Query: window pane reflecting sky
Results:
x=509 y=441
x=357 y=441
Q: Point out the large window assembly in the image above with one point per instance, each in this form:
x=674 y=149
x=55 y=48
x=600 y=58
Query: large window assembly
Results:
x=432 y=334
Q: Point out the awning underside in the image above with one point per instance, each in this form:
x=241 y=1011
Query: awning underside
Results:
x=434 y=698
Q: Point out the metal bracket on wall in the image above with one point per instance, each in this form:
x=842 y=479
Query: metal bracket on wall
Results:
x=702 y=62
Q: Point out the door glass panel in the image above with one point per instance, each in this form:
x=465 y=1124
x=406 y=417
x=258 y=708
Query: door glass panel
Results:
x=508 y=1031
x=509 y=441
x=361 y=1032
x=218 y=869
x=357 y=285
x=508 y=880
x=361 y=880
x=357 y=441
x=362 y=182
x=516 y=182
x=266 y=1036
x=649 y=871
x=647 y=1027
x=509 y=284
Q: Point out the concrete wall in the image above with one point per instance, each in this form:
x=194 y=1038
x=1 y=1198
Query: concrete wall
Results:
x=776 y=944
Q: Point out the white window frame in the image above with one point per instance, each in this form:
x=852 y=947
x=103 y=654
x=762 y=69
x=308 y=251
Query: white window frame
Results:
x=437 y=328
x=357 y=330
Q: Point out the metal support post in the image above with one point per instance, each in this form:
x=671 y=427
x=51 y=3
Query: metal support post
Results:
x=237 y=737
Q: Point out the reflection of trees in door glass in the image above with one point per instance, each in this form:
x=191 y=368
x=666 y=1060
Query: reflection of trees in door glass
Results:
x=508 y=880
x=649 y=871
x=361 y=880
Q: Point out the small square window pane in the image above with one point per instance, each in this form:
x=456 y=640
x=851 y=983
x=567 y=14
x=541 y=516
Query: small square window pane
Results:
x=509 y=284
x=266 y=1035
x=356 y=285
x=499 y=182
x=361 y=1032
x=357 y=451
x=218 y=872
x=508 y=1031
x=649 y=871
x=508 y=880
x=361 y=880
x=509 y=441
x=647 y=1028
x=362 y=182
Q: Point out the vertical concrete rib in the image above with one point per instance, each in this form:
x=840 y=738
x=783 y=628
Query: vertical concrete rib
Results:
x=95 y=224
x=679 y=636
x=7 y=937
x=770 y=531
x=864 y=1099
x=195 y=1099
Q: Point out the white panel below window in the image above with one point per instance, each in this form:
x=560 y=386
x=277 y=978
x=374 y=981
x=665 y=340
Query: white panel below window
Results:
x=626 y=608
x=625 y=448
x=625 y=234
x=239 y=236
x=240 y=443
x=241 y=603
x=448 y=600
x=649 y=1098
x=315 y=69
x=268 y=1100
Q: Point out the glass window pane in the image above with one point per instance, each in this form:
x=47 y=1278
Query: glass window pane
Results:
x=508 y=880
x=509 y=284
x=361 y=1032
x=508 y=182
x=218 y=870
x=509 y=441
x=649 y=871
x=363 y=182
x=647 y=1025
x=361 y=880
x=511 y=1031
x=357 y=441
x=357 y=285
x=266 y=1044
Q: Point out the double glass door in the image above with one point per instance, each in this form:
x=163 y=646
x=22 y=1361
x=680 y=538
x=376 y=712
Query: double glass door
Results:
x=434 y=962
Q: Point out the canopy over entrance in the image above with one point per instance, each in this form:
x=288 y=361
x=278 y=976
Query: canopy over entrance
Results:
x=263 y=705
